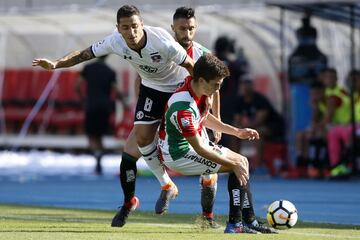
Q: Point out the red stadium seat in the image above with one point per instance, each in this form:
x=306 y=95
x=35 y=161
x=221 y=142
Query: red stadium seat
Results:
x=68 y=114
x=123 y=129
x=40 y=80
x=64 y=93
x=17 y=86
x=275 y=157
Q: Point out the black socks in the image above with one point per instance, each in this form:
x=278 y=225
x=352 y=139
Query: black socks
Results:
x=128 y=172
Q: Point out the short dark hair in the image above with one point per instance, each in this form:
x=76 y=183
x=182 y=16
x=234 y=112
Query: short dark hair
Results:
x=210 y=67
x=127 y=11
x=184 y=12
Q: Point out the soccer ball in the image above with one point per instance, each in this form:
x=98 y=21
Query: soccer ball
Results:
x=282 y=214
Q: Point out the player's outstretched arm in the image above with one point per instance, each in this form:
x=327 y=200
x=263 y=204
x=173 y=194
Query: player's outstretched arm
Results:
x=69 y=60
x=244 y=133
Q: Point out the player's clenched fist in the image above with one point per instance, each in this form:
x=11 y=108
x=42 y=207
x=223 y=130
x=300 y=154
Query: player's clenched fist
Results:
x=44 y=63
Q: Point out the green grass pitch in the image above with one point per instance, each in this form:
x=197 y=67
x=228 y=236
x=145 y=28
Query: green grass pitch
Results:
x=25 y=222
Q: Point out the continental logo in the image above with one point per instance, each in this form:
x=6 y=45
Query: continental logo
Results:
x=201 y=160
x=148 y=69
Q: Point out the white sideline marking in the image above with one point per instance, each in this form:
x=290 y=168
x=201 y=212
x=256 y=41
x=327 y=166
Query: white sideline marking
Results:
x=322 y=235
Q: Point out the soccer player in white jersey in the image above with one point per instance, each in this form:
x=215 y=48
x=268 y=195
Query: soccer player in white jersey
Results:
x=184 y=27
x=154 y=54
x=185 y=149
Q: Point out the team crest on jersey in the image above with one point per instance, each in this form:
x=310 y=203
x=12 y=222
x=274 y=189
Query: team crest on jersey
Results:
x=156 y=58
x=185 y=122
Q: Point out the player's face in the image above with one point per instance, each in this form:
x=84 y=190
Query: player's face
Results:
x=184 y=30
x=131 y=29
x=210 y=87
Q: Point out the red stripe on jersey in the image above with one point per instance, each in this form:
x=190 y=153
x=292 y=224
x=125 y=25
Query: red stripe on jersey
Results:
x=190 y=51
x=162 y=132
x=185 y=121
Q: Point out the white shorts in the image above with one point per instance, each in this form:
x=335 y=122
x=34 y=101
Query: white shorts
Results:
x=193 y=164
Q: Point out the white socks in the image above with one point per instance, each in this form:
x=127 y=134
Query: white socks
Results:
x=150 y=155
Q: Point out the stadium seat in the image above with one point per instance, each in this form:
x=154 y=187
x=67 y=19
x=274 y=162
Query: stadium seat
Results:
x=68 y=115
x=123 y=128
x=17 y=87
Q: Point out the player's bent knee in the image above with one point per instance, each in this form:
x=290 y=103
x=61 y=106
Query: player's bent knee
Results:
x=132 y=150
x=143 y=140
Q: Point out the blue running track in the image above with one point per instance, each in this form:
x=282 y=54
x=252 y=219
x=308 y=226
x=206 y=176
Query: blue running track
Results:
x=316 y=201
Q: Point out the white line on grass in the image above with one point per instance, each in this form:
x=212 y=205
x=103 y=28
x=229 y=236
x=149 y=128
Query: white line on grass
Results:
x=322 y=235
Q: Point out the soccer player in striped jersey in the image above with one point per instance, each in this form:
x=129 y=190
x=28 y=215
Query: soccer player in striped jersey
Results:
x=184 y=27
x=185 y=149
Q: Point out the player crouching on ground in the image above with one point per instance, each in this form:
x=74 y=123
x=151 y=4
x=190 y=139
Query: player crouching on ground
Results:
x=185 y=150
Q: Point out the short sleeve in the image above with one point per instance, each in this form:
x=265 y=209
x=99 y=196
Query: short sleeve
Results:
x=176 y=52
x=185 y=122
x=103 y=47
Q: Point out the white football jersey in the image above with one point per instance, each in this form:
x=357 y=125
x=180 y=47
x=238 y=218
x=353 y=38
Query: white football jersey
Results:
x=157 y=63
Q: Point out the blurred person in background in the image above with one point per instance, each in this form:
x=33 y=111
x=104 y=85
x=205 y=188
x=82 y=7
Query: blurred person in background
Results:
x=307 y=61
x=238 y=66
x=99 y=81
x=311 y=144
x=338 y=107
x=339 y=136
x=252 y=109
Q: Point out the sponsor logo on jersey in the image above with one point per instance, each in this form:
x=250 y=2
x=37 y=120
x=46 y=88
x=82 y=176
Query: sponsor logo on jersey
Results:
x=148 y=69
x=155 y=57
x=201 y=160
x=139 y=115
x=236 y=197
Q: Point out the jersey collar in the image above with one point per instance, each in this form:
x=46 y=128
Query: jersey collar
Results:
x=191 y=91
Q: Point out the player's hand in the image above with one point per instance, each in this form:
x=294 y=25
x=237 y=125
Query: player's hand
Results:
x=241 y=171
x=217 y=136
x=44 y=63
x=248 y=133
